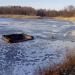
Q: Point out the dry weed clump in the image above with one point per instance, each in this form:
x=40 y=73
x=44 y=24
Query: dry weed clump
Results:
x=67 y=68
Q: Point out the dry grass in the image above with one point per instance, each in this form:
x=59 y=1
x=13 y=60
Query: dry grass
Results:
x=47 y=71
x=67 y=68
x=66 y=18
x=20 y=16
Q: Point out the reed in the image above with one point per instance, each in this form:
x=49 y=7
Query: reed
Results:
x=67 y=68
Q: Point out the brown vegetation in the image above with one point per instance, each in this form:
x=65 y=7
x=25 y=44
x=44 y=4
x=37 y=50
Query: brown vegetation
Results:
x=20 y=16
x=67 y=68
x=29 y=11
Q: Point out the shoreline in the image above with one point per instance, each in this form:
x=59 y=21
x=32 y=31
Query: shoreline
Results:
x=20 y=16
x=72 y=19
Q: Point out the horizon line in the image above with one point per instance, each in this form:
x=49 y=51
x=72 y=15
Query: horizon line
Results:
x=35 y=7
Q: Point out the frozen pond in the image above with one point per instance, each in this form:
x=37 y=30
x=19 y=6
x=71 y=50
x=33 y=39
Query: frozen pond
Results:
x=48 y=48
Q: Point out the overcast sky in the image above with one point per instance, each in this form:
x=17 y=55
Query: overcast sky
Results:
x=48 y=4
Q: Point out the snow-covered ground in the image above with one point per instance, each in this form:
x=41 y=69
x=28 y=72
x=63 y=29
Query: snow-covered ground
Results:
x=47 y=50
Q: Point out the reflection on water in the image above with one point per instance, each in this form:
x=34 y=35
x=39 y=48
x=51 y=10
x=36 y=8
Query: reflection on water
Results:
x=46 y=50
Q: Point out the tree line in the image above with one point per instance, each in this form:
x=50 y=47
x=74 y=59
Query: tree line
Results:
x=18 y=10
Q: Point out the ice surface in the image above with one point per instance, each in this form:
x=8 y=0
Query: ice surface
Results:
x=48 y=48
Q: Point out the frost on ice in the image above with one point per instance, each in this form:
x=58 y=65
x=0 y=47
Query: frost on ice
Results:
x=48 y=48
